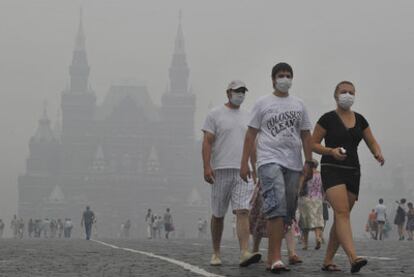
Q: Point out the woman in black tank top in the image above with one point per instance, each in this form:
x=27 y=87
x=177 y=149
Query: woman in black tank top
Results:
x=342 y=130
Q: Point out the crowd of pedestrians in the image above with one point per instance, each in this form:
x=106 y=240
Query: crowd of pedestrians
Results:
x=39 y=228
x=379 y=224
x=253 y=161
x=157 y=224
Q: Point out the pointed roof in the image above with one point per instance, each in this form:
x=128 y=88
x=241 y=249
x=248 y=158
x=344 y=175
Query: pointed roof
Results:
x=179 y=48
x=44 y=132
x=57 y=128
x=117 y=95
x=153 y=157
x=80 y=36
x=99 y=156
x=56 y=196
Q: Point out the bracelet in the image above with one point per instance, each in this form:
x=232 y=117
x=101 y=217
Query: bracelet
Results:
x=309 y=162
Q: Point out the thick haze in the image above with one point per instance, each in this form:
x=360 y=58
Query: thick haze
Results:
x=368 y=42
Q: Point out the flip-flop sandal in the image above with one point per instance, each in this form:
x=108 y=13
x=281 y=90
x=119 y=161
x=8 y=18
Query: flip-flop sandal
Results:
x=331 y=268
x=357 y=264
x=279 y=267
x=294 y=260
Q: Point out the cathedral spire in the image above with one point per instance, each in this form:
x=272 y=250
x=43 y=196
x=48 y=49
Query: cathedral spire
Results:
x=179 y=71
x=44 y=132
x=179 y=39
x=80 y=36
x=79 y=69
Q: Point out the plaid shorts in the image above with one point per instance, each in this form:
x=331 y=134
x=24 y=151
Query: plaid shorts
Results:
x=229 y=187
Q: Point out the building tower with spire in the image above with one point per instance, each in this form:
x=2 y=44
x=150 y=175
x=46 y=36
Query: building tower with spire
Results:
x=78 y=110
x=42 y=168
x=177 y=116
x=120 y=157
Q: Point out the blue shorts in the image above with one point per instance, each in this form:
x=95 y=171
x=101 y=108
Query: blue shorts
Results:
x=279 y=187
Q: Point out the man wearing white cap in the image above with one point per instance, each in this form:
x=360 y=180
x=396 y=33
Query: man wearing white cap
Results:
x=224 y=130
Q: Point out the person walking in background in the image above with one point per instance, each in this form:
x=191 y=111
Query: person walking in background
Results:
x=155 y=227
x=343 y=129
x=325 y=216
x=281 y=124
x=257 y=219
x=46 y=228
x=223 y=129
x=399 y=219
x=410 y=221
x=149 y=219
x=88 y=219
x=14 y=226
x=200 y=225
x=30 y=228
x=59 y=227
x=168 y=223
x=37 y=228
x=53 y=228
x=372 y=224
x=311 y=208
x=381 y=218
x=1 y=228
x=160 y=226
x=67 y=228
x=20 y=228
x=127 y=227
x=234 y=226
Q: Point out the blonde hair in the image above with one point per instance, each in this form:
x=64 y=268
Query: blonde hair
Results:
x=342 y=83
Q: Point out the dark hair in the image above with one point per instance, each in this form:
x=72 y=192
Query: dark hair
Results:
x=403 y=200
x=281 y=67
x=342 y=83
x=410 y=204
x=381 y=201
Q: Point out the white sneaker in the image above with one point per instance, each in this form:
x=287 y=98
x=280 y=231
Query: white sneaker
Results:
x=215 y=260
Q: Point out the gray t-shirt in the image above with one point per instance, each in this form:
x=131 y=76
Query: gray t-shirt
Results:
x=229 y=128
x=380 y=210
x=280 y=121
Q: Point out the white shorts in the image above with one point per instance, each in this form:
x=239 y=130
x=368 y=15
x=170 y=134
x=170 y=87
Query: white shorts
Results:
x=228 y=186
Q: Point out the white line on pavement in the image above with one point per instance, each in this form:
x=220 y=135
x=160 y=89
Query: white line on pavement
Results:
x=184 y=265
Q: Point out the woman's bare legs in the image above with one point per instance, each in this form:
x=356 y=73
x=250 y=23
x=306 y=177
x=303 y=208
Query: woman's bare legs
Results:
x=342 y=202
x=305 y=239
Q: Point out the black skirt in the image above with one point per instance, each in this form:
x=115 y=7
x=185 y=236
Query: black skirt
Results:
x=334 y=176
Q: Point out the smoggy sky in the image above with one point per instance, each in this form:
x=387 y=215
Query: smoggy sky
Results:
x=368 y=42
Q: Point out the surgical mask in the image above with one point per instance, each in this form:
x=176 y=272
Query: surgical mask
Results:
x=345 y=100
x=283 y=84
x=237 y=98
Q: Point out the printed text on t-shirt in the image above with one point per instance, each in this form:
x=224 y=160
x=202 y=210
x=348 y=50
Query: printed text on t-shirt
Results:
x=280 y=122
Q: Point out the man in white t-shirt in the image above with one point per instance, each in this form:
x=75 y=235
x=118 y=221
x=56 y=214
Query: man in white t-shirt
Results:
x=224 y=129
x=381 y=212
x=282 y=127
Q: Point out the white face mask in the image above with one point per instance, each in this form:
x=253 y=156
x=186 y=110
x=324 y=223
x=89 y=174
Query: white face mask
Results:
x=346 y=100
x=237 y=98
x=283 y=84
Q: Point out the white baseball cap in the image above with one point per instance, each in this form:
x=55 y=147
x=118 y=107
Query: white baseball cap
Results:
x=235 y=84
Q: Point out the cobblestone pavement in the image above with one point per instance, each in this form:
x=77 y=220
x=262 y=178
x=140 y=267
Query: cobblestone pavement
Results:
x=88 y=258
